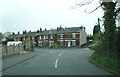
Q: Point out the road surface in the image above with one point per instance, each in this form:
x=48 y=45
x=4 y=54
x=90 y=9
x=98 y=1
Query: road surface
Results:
x=57 y=62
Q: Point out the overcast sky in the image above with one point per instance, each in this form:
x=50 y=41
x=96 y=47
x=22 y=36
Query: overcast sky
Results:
x=19 y=15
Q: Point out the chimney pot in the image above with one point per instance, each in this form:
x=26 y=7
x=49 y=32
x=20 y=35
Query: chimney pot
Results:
x=40 y=29
x=13 y=34
x=45 y=29
x=37 y=31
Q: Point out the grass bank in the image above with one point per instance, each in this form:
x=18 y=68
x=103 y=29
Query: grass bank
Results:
x=109 y=63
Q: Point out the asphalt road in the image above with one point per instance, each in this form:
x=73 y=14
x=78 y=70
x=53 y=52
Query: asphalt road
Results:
x=57 y=62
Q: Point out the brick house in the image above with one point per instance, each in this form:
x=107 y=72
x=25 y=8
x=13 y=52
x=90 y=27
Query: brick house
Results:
x=73 y=36
x=46 y=37
x=30 y=36
x=16 y=37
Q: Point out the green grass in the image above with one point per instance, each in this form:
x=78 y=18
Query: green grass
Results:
x=110 y=63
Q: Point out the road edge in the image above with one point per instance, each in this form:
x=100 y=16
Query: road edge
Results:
x=102 y=67
x=19 y=62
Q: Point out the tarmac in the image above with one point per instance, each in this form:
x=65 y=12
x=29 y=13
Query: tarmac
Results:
x=11 y=61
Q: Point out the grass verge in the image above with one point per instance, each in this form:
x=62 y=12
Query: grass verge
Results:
x=109 y=63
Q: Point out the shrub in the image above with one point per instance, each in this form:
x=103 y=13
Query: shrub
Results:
x=4 y=42
x=10 y=39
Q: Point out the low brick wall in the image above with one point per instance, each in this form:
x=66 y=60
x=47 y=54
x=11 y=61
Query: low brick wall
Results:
x=11 y=50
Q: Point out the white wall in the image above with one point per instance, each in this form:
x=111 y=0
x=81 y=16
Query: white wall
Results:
x=83 y=36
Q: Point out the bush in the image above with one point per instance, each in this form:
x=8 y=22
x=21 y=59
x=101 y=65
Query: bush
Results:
x=111 y=63
x=4 y=42
x=56 y=44
x=10 y=39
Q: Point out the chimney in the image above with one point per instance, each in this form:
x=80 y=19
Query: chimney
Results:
x=40 y=29
x=18 y=33
x=13 y=34
x=84 y=28
x=58 y=28
x=25 y=31
x=81 y=27
x=45 y=29
x=37 y=31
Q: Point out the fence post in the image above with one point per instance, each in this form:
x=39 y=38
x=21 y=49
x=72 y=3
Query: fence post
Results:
x=6 y=50
x=14 y=49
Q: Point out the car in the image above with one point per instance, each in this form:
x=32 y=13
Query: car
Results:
x=92 y=46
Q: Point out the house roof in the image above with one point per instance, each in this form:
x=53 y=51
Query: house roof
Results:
x=15 y=36
x=30 y=34
x=66 y=30
x=47 y=32
x=70 y=30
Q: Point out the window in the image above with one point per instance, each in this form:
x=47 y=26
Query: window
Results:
x=44 y=36
x=73 y=43
x=18 y=39
x=73 y=35
x=40 y=37
x=51 y=36
x=32 y=37
x=23 y=38
x=61 y=36
x=40 y=43
x=51 y=43
x=28 y=38
x=44 y=43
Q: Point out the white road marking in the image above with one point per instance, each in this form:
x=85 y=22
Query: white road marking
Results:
x=56 y=63
x=51 y=52
x=60 y=54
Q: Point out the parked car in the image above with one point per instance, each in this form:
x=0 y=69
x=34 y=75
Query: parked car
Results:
x=14 y=43
x=92 y=46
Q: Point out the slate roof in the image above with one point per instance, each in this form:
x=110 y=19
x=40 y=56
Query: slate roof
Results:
x=30 y=34
x=66 y=30
x=69 y=30
x=47 y=32
x=15 y=36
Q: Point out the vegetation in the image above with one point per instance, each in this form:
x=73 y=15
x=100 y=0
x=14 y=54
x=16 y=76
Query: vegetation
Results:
x=10 y=39
x=1 y=35
x=107 y=51
x=57 y=45
x=111 y=63
x=90 y=38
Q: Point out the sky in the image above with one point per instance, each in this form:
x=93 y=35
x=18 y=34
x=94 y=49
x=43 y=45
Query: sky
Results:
x=19 y=15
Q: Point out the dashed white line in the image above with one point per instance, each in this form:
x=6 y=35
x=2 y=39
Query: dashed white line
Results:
x=56 y=63
x=51 y=52
x=60 y=54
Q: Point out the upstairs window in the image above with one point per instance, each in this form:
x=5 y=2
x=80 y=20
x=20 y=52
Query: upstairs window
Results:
x=74 y=35
x=29 y=38
x=32 y=37
x=61 y=36
x=24 y=38
x=51 y=36
x=40 y=37
x=44 y=36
